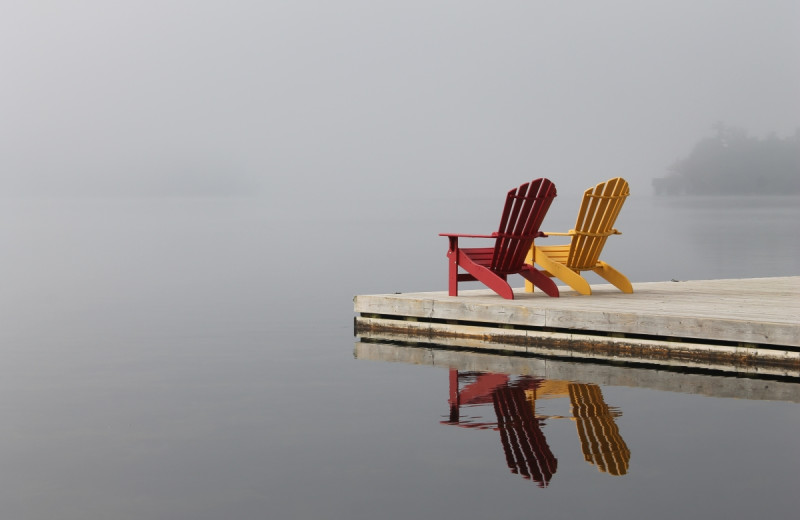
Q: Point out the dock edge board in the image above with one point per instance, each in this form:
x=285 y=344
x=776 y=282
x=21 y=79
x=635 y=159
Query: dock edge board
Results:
x=745 y=358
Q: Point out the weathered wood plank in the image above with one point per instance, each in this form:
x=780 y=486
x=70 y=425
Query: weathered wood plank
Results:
x=740 y=359
x=761 y=311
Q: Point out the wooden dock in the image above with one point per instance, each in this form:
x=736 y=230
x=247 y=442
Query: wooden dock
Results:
x=745 y=325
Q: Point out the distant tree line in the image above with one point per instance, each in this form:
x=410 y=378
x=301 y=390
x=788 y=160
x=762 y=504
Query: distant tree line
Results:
x=732 y=163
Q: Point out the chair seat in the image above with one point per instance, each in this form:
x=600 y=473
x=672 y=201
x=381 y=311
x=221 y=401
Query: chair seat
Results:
x=480 y=255
x=560 y=254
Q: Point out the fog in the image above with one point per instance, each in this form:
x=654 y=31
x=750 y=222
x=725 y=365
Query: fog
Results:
x=192 y=192
x=352 y=101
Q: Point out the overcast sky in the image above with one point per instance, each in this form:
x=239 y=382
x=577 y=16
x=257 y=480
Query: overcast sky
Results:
x=359 y=99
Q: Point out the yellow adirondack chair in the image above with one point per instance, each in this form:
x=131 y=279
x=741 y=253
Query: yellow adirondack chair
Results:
x=595 y=224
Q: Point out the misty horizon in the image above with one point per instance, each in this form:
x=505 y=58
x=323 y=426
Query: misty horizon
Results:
x=358 y=100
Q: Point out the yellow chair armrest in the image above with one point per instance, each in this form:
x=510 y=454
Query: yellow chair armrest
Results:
x=567 y=234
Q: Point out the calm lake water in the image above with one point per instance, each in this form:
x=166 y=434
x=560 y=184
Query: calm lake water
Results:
x=195 y=359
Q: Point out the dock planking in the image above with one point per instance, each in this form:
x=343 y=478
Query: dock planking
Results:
x=747 y=325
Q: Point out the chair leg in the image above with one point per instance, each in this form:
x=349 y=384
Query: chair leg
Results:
x=617 y=279
x=535 y=277
x=452 y=262
x=499 y=286
x=529 y=261
x=563 y=273
x=488 y=278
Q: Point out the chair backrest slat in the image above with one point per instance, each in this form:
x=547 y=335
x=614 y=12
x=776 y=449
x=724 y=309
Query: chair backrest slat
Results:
x=599 y=210
x=522 y=217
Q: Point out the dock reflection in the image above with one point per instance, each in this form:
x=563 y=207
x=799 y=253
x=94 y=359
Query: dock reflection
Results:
x=509 y=393
x=514 y=399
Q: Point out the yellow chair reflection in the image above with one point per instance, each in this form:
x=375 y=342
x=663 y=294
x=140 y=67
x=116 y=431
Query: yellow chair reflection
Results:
x=601 y=443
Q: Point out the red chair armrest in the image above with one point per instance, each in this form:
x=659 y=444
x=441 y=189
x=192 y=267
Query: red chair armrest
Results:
x=493 y=235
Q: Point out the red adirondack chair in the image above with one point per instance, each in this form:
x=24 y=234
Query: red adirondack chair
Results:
x=524 y=211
